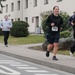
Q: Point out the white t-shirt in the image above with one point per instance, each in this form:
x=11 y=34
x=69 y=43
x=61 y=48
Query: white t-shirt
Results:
x=6 y=25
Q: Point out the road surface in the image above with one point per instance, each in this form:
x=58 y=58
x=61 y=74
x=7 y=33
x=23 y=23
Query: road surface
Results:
x=13 y=66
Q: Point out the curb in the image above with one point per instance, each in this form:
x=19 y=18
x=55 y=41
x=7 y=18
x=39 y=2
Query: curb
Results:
x=40 y=62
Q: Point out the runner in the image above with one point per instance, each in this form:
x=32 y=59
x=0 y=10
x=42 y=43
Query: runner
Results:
x=71 y=21
x=54 y=22
x=6 y=25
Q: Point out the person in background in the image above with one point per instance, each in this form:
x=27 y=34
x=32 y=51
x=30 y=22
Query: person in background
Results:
x=71 y=22
x=6 y=25
x=54 y=23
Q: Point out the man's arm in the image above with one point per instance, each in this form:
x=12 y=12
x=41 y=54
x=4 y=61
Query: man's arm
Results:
x=48 y=21
x=1 y=25
x=10 y=23
x=70 y=21
x=61 y=23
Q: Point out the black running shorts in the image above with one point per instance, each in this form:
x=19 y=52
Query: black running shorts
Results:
x=53 y=38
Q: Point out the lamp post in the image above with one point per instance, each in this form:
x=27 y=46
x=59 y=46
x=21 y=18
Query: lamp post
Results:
x=1 y=5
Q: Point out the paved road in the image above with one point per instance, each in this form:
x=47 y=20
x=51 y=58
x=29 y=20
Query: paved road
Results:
x=13 y=66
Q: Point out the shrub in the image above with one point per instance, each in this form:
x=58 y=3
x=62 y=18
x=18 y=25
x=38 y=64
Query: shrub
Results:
x=44 y=26
x=65 y=34
x=64 y=44
x=65 y=25
x=20 y=29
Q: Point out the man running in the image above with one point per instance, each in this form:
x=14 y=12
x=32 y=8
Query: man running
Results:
x=6 y=25
x=71 y=21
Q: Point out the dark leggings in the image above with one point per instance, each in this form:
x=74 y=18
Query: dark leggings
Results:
x=73 y=47
x=6 y=36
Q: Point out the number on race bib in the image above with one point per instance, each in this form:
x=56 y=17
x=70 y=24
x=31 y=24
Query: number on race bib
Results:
x=54 y=28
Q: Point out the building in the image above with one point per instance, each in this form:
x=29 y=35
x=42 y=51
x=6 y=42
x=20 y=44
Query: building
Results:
x=29 y=10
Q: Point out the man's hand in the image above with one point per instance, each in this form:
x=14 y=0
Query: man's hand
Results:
x=52 y=24
x=8 y=27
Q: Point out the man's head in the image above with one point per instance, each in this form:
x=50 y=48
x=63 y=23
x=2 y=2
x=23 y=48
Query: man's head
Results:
x=6 y=17
x=56 y=10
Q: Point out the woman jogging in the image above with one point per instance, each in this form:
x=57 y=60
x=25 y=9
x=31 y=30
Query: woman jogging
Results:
x=54 y=22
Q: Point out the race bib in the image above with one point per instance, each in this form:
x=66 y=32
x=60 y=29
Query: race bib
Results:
x=55 y=28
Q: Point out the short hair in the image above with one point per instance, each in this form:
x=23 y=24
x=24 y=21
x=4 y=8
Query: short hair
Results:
x=6 y=15
x=55 y=7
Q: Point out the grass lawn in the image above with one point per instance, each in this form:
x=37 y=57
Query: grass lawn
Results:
x=31 y=39
x=64 y=52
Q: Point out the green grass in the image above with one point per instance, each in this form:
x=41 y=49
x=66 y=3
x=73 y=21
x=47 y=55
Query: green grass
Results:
x=64 y=52
x=31 y=39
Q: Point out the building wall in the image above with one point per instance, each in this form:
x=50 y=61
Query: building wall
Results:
x=32 y=12
x=16 y=13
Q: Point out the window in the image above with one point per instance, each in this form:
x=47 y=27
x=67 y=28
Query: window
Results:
x=12 y=6
x=15 y=19
x=18 y=5
x=18 y=19
x=59 y=0
x=26 y=19
x=32 y=19
x=26 y=3
x=35 y=2
x=45 y=1
x=12 y=20
x=1 y=11
x=37 y=21
x=6 y=8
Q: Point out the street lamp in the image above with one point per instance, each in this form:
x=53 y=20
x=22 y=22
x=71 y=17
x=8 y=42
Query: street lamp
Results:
x=1 y=5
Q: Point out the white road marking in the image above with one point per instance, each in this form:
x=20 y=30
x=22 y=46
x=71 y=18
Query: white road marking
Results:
x=9 y=62
x=19 y=65
x=27 y=68
x=10 y=71
x=36 y=71
x=46 y=74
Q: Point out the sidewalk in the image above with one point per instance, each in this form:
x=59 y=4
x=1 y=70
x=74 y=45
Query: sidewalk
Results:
x=65 y=63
